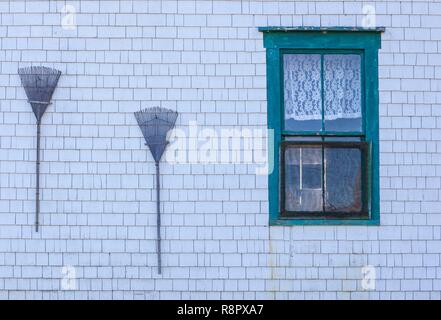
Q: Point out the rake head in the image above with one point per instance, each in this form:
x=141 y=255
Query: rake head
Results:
x=155 y=123
x=39 y=84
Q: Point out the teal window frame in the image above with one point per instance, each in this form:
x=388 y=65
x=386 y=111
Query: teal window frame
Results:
x=366 y=42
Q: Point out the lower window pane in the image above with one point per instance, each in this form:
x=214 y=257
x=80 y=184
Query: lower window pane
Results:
x=303 y=179
x=343 y=176
x=324 y=179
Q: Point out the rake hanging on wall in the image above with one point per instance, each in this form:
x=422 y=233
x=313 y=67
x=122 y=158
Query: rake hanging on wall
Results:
x=155 y=123
x=39 y=84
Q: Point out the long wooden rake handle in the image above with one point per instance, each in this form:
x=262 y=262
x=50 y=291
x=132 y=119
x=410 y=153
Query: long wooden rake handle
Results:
x=37 y=172
x=158 y=218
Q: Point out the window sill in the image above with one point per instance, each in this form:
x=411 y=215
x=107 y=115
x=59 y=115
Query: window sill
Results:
x=324 y=222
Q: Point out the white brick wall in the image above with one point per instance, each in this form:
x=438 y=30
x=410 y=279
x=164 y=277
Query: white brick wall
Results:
x=205 y=59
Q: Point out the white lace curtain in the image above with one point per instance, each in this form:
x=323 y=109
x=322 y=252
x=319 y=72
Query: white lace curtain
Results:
x=303 y=86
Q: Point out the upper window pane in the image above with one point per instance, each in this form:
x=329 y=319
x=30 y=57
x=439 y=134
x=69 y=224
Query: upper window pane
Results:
x=342 y=92
x=302 y=92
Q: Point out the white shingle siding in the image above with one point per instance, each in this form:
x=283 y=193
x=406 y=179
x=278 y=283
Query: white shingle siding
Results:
x=205 y=59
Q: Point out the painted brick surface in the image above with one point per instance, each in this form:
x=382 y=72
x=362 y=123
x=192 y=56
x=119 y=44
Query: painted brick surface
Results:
x=206 y=60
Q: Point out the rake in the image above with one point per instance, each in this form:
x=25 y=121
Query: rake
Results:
x=39 y=84
x=155 y=123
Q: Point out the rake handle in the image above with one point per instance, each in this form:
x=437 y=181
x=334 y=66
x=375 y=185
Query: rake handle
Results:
x=158 y=218
x=37 y=188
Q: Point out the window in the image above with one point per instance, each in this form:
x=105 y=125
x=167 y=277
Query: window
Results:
x=323 y=108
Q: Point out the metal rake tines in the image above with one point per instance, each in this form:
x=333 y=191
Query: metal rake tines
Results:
x=39 y=84
x=155 y=123
x=159 y=119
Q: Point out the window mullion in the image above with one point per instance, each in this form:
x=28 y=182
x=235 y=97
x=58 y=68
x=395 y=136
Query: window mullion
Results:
x=322 y=130
x=322 y=92
x=323 y=178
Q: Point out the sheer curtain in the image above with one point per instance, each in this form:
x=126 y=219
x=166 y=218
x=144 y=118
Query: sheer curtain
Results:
x=302 y=77
x=303 y=86
x=342 y=84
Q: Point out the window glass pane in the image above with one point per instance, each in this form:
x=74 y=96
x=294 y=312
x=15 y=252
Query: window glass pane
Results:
x=311 y=176
x=342 y=92
x=302 y=92
x=343 y=192
x=303 y=179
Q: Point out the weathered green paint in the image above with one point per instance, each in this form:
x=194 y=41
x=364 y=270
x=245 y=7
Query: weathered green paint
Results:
x=282 y=40
x=372 y=126
x=319 y=29
x=323 y=133
x=274 y=122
